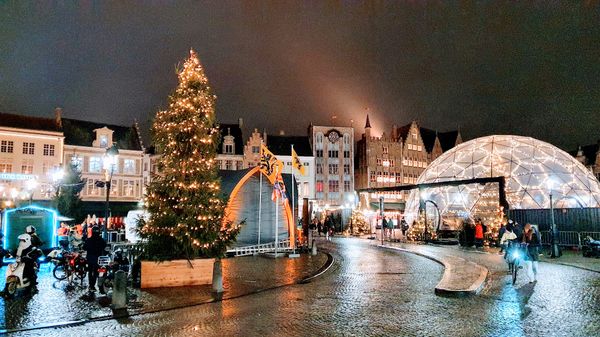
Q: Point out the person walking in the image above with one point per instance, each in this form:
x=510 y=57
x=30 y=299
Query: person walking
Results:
x=506 y=238
x=499 y=239
x=531 y=238
x=94 y=246
x=404 y=228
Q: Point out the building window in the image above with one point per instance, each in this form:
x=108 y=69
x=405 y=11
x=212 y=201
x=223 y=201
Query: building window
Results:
x=346 y=139
x=319 y=138
x=114 y=187
x=228 y=164
x=319 y=168
x=372 y=177
x=91 y=188
x=95 y=165
x=240 y=165
x=385 y=150
x=319 y=153
x=346 y=186
x=46 y=168
x=334 y=186
x=128 y=188
x=103 y=141
x=129 y=166
x=333 y=153
x=48 y=150
x=5 y=167
x=346 y=154
x=27 y=167
x=7 y=146
x=319 y=186
x=28 y=148
x=378 y=161
x=255 y=149
x=333 y=169
x=346 y=168
x=228 y=148
x=77 y=161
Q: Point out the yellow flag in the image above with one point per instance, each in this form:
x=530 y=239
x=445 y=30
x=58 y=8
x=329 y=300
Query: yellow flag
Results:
x=297 y=163
x=269 y=164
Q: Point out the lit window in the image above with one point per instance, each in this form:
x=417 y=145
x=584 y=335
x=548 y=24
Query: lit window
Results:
x=103 y=141
x=128 y=188
x=129 y=166
x=95 y=165
x=27 y=167
x=5 y=167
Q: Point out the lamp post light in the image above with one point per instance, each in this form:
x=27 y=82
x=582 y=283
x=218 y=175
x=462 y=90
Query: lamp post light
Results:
x=554 y=247
x=110 y=160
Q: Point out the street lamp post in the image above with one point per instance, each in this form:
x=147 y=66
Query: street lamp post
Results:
x=110 y=161
x=554 y=248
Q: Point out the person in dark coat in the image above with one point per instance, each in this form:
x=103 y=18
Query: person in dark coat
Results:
x=94 y=246
x=532 y=239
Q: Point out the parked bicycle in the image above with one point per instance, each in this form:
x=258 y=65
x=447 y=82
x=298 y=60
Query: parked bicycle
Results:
x=70 y=266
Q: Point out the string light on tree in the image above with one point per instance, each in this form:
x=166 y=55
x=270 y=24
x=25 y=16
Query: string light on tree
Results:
x=187 y=211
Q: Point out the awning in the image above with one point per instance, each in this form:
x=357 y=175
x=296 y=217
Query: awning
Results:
x=389 y=206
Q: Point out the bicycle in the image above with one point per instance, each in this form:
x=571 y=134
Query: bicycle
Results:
x=515 y=256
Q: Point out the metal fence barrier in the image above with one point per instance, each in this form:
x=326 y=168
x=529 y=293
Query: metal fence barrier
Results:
x=569 y=238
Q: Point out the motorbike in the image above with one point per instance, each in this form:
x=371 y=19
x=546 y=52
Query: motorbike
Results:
x=15 y=272
x=590 y=247
x=108 y=265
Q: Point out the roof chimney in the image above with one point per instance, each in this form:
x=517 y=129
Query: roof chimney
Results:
x=58 y=116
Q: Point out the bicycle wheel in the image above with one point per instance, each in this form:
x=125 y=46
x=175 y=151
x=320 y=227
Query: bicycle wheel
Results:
x=514 y=273
x=59 y=272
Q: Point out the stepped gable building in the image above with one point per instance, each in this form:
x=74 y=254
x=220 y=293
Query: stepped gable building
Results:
x=230 y=152
x=31 y=150
x=589 y=155
x=398 y=158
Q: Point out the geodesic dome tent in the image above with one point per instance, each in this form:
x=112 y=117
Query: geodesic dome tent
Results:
x=533 y=170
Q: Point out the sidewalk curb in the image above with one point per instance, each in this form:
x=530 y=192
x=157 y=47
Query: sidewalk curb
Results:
x=320 y=271
x=567 y=264
x=440 y=288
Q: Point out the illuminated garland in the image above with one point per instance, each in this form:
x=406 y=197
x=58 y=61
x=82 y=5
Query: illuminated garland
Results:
x=187 y=211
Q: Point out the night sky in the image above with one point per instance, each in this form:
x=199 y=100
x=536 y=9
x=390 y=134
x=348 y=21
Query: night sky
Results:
x=492 y=68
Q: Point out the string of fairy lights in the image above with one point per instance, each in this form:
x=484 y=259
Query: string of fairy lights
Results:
x=184 y=199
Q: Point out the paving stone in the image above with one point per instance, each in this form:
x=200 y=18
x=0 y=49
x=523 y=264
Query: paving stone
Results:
x=375 y=292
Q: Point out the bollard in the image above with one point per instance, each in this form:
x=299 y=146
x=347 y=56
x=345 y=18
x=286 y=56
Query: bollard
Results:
x=217 y=281
x=314 y=248
x=119 y=294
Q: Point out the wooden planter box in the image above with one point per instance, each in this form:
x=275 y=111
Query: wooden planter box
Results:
x=177 y=273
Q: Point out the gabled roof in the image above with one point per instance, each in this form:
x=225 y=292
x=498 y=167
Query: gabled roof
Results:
x=81 y=133
x=448 y=139
x=282 y=145
x=428 y=137
x=236 y=132
x=28 y=122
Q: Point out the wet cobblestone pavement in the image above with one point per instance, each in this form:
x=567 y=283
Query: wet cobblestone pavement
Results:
x=377 y=292
x=55 y=303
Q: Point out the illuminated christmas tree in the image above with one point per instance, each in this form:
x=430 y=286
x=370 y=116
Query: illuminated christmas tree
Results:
x=187 y=210
x=359 y=224
x=416 y=231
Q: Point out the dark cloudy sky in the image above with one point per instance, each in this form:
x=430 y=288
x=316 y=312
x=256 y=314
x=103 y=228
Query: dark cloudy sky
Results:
x=493 y=67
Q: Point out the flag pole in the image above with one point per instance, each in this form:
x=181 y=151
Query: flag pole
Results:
x=276 y=219
x=293 y=183
x=260 y=174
